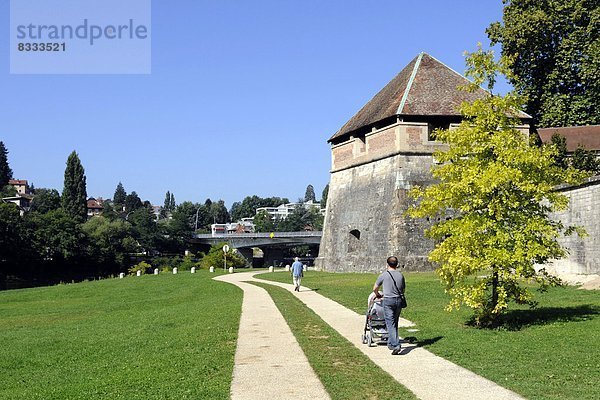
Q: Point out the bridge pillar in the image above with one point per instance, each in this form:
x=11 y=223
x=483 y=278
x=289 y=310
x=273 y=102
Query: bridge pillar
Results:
x=273 y=256
x=248 y=254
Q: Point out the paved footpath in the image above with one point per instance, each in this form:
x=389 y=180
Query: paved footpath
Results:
x=422 y=372
x=268 y=359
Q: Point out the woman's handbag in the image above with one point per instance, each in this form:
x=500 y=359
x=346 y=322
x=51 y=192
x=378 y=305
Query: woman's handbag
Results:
x=403 y=303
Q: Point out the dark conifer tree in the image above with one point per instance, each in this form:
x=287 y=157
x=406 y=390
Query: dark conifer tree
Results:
x=172 y=204
x=133 y=202
x=74 y=195
x=309 y=195
x=324 y=196
x=560 y=142
x=167 y=203
x=120 y=194
x=5 y=171
x=584 y=160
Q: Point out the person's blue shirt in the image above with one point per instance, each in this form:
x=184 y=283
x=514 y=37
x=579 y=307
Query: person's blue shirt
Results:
x=297 y=268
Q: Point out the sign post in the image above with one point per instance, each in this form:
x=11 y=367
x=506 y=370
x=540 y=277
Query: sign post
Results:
x=225 y=250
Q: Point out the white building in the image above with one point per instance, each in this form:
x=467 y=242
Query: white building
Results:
x=244 y=226
x=284 y=210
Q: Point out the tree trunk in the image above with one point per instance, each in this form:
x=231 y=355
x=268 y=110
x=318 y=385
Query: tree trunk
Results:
x=494 y=289
x=493 y=316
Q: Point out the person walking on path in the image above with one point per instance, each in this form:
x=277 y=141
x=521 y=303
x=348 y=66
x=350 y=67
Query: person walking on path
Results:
x=393 y=293
x=297 y=273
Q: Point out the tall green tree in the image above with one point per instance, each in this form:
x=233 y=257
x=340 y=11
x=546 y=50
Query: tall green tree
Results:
x=60 y=243
x=145 y=229
x=248 y=206
x=11 y=240
x=132 y=202
x=218 y=212
x=585 y=160
x=324 y=196
x=309 y=194
x=120 y=195
x=6 y=173
x=45 y=200
x=315 y=219
x=8 y=191
x=185 y=216
x=112 y=242
x=492 y=200
x=560 y=144
x=74 y=195
x=167 y=203
x=295 y=221
x=263 y=222
x=553 y=50
x=172 y=203
x=166 y=208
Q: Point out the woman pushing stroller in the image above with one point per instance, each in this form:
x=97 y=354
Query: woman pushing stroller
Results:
x=393 y=300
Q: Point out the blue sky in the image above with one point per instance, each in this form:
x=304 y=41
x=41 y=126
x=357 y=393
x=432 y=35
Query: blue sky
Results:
x=241 y=99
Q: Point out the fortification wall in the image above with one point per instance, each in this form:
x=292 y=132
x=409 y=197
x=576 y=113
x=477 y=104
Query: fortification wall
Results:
x=368 y=196
x=365 y=222
x=584 y=210
x=401 y=137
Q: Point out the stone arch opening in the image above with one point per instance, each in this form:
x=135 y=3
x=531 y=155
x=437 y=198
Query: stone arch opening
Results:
x=353 y=240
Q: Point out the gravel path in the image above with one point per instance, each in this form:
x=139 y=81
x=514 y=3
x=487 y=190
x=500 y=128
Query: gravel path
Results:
x=422 y=372
x=269 y=363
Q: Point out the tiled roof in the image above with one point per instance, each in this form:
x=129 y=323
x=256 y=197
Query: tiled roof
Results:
x=94 y=204
x=17 y=182
x=425 y=87
x=586 y=136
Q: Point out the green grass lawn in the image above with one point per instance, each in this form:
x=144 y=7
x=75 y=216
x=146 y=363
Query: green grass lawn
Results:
x=174 y=337
x=549 y=353
x=345 y=372
x=152 y=337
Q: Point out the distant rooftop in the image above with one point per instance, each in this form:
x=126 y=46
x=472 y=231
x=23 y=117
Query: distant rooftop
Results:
x=585 y=136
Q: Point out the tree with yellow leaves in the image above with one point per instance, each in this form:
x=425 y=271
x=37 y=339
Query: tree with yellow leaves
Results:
x=495 y=192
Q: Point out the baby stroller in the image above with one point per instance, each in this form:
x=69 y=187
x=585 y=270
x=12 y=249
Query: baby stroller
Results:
x=375 y=329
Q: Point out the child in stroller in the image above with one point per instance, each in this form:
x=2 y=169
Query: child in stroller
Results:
x=375 y=323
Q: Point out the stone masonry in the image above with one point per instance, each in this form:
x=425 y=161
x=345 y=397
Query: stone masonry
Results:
x=584 y=210
x=368 y=196
x=386 y=148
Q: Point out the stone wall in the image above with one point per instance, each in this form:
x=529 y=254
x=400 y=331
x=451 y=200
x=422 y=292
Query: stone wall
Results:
x=401 y=137
x=584 y=210
x=368 y=196
x=365 y=221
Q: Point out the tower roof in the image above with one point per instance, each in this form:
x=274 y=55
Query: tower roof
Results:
x=425 y=87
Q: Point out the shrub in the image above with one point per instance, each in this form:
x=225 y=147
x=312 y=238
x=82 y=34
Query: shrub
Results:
x=187 y=263
x=141 y=266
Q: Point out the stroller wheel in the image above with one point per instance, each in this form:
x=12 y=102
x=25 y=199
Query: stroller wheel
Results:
x=369 y=340
x=364 y=338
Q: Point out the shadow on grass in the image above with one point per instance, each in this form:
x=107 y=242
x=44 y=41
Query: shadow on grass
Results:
x=422 y=342
x=426 y=342
x=412 y=340
x=515 y=320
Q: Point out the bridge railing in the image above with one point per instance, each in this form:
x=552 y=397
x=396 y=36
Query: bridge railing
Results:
x=259 y=235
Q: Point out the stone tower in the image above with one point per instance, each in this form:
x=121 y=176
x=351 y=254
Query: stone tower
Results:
x=376 y=157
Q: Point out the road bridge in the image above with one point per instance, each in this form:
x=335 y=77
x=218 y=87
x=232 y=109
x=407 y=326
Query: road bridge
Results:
x=272 y=244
